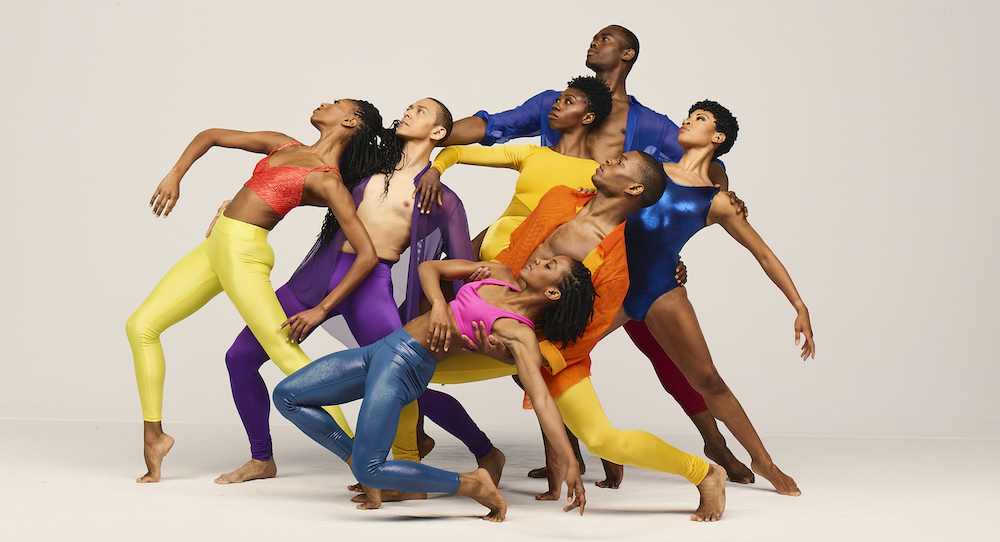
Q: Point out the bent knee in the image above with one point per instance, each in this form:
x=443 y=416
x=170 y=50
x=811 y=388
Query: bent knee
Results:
x=138 y=329
x=283 y=398
x=366 y=472
x=600 y=444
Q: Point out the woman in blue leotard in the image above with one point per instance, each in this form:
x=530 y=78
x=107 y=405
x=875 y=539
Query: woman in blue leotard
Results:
x=654 y=237
x=557 y=294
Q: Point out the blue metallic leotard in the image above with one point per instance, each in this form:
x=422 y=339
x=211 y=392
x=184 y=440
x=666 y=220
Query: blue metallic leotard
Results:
x=653 y=240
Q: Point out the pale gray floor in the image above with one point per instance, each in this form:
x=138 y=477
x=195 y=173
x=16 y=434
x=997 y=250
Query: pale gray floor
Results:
x=74 y=481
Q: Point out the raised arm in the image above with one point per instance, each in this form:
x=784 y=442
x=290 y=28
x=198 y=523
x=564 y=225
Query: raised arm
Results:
x=724 y=212
x=331 y=189
x=521 y=342
x=169 y=190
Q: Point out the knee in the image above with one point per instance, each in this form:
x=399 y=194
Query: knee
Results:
x=709 y=383
x=600 y=444
x=137 y=328
x=366 y=471
x=284 y=399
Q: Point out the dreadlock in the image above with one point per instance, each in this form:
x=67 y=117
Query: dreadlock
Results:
x=566 y=319
x=372 y=149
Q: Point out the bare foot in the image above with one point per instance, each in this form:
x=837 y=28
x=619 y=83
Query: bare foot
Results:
x=479 y=486
x=251 y=470
x=493 y=462
x=357 y=488
x=548 y=496
x=736 y=470
x=155 y=446
x=540 y=472
x=713 y=495
x=782 y=482
x=391 y=495
x=424 y=445
x=613 y=473
x=372 y=499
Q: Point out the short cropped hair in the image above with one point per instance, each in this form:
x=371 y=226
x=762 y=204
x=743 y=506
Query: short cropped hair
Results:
x=652 y=178
x=630 y=41
x=725 y=122
x=444 y=117
x=597 y=93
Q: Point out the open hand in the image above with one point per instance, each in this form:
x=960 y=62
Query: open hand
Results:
x=804 y=327
x=429 y=188
x=166 y=195
x=300 y=324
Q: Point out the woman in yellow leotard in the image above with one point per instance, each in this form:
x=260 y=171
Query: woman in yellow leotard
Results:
x=584 y=104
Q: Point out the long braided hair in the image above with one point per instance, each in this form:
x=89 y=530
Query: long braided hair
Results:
x=372 y=149
x=566 y=319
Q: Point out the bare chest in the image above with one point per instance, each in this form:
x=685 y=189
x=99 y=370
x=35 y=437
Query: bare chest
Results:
x=607 y=141
x=576 y=239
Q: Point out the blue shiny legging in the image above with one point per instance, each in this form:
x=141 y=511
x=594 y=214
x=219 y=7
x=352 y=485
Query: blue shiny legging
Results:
x=387 y=375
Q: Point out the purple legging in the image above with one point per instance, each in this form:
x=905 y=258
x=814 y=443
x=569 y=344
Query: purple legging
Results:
x=448 y=413
x=370 y=312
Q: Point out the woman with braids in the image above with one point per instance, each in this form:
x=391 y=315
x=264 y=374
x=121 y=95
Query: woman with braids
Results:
x=556 y=293
x=584 y=104
x=385 y=207
x=236 y=257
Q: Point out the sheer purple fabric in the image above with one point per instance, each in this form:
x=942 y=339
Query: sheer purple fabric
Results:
x=443 y=231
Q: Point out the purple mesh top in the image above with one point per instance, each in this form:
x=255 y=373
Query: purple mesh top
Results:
x=443 y=231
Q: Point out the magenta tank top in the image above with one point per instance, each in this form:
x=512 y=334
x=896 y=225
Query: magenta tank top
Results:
x=469 y=307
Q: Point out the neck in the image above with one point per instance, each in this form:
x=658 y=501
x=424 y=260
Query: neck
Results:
x=696 y=160
x=528 y=304
x=615 y=79
x=330 y=146
x=416 y=153
x=573 y=143
x=608 y=210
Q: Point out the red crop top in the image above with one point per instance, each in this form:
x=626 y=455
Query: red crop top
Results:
x=281 y=187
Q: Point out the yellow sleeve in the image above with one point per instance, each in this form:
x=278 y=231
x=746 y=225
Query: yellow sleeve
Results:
x=507 y=156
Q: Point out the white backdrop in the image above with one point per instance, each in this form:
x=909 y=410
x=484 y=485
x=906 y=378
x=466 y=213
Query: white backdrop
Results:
x=867 y=157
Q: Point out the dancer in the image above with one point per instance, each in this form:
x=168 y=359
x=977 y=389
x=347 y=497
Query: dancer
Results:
x=592 y=226
x=555 y=292
x=631 y=126
x=654 y=237
x=236 y=257
x=385 y=207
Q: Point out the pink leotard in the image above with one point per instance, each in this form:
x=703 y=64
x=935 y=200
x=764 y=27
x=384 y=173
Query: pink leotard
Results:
x=281 y=187
x=469 y=307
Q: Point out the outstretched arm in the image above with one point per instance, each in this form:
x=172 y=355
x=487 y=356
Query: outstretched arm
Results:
x=169 y=190
x=724 y=212
x=332 y=190
x=521 y=342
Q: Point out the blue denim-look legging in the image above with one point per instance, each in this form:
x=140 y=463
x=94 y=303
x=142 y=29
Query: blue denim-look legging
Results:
x=388 y=374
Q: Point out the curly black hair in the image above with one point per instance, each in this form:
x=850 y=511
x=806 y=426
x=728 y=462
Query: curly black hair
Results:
x=565 y=320
x=372 y=149
x=725 y=122
x=597 y=93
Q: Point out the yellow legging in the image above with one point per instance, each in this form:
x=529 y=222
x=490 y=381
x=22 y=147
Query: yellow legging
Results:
x=236 y=259
x=583 y=415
